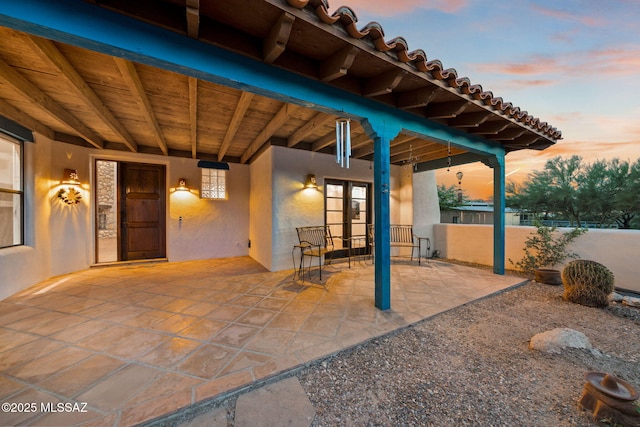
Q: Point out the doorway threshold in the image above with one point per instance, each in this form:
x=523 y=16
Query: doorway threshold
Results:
x=124 y=263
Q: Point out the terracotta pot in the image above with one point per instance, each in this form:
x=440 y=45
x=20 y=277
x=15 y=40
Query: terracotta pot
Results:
x=548 y=276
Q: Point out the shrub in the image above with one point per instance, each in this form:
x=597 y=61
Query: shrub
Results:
x=543 y=249
x=587 y=282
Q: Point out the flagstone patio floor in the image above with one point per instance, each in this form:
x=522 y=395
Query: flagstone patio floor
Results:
x=136 y=342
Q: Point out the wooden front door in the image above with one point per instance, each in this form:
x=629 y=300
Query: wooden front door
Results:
x=141 y=202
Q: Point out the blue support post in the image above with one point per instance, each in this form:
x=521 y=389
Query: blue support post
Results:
x=497 y=164
x=382 y=133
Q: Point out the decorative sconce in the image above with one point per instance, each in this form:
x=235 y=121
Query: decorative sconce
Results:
x=70 y=195
x=182 y=185
x=311 y=181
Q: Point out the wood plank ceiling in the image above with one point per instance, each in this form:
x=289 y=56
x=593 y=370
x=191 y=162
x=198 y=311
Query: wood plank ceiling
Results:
x=82 y=97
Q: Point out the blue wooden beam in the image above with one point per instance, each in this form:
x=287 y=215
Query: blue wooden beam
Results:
x=88 y=26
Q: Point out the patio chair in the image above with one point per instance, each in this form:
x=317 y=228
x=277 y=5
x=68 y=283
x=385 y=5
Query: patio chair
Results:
x=315 y=241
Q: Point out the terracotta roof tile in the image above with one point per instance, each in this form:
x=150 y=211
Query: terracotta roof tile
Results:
x=346 y=17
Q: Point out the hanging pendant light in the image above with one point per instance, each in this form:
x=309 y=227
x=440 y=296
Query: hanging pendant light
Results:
x=343 y=142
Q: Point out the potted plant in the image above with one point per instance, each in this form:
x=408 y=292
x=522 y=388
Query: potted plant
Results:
x=544 y=250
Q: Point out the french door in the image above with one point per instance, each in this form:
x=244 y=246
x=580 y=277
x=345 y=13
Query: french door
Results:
x=348 y=212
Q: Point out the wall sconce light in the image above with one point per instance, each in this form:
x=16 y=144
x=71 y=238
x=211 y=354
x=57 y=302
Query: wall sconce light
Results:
x=70 y=177
x=311 y=181
x=70 y=195
x=182 y=185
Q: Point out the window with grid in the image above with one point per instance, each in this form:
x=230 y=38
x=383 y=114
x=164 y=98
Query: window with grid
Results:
x=214 y=184
x=11 y=192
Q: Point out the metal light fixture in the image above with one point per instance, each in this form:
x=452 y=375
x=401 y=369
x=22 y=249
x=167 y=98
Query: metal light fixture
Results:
x=70 y=177
x=311 y=181
x=343 y=142
x=70 y=195
x=182 y=185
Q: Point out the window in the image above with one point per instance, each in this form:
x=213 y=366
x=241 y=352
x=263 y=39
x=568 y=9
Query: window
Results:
x=214 y=184
x=11 y=192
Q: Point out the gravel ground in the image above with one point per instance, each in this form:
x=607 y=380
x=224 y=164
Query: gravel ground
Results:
x=472 y=366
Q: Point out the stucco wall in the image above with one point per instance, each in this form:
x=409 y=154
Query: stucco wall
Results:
x=60 y=238
x=261 y=209
x=426 y=210
x=297 y=207
x=618 y=250
x=22 y=266
x=209 y=228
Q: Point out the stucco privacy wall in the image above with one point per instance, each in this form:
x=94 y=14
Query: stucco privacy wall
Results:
x=618 y=250
x=295 y=206
x=60 y=238
x=426 y=210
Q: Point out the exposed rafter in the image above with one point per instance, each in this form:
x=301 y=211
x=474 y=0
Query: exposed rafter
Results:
x=445 y=110
x=510 y=134
x=417 y=98
x=234 y=124
x=276 y=43
x=193 y=18
x=455 y=159
x=46 y=103
x=128 y=71
x=25 y=120
x=193 y=115
x=468 y=120
x=383 y=83
x=325 y=141
x=267 y=132
x=317 y=121
x=524 y=141
x=490 y=128
x=50 y=53
x=338 y=64
x=403 y=152
x=365 y=151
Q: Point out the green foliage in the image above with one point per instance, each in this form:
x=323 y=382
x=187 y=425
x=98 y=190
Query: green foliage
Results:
x=587 y=282
x=448 y=197
x=543 y=248
x=604 y=192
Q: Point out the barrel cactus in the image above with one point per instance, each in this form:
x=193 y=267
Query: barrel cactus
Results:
x=587 y=282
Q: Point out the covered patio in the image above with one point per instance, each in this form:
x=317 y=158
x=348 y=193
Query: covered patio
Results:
x=254 y=90
x=136 y=342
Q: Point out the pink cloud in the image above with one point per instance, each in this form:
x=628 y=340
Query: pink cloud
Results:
x=529 y=83
x=533 y=65
x=398 y=7
x=618 y=61
x=589 y=21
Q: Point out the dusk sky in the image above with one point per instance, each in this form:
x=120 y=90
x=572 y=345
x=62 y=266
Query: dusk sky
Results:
x=572 y=63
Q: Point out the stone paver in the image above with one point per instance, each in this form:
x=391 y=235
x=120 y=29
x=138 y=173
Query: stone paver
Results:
x=283 y=403
x=136 y=342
